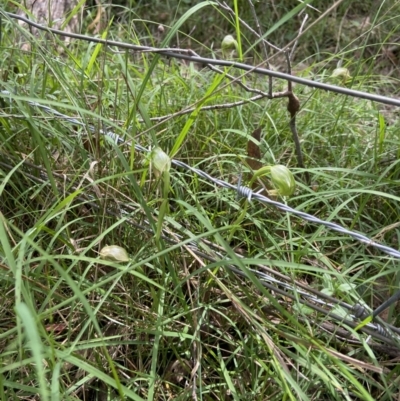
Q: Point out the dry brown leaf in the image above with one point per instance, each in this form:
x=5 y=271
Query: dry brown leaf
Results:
x=253 y=150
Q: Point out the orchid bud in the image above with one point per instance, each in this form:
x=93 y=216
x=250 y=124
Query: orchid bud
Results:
x=283 y=180
x=114 y=253
x=228 y=43
x=161 y=161
x=342 y=73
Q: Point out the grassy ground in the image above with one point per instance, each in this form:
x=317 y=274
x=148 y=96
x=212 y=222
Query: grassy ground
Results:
x=170 y=324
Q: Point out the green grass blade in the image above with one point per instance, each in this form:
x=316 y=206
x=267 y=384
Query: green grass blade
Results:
x=35 y=344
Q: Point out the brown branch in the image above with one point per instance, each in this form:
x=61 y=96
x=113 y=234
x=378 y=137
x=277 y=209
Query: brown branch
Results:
x=298 y=36
x=264 y=47
x=293 y=107
x=213 y=107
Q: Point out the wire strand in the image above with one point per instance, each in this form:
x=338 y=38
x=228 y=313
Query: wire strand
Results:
x=187 y=54
x=315 y=300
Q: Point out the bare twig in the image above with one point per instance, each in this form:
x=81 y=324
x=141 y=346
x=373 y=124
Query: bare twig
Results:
x=298 y=36
x=217 y=106
x=233 y=79
x=264 y=47
x=310 y=6
x=293 y=107
x=323 y=15
x=204 y=108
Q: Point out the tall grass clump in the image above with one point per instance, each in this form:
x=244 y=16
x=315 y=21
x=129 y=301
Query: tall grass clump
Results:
x=113 y=263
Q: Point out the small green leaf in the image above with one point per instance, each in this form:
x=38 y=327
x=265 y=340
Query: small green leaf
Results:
x=364 y=323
